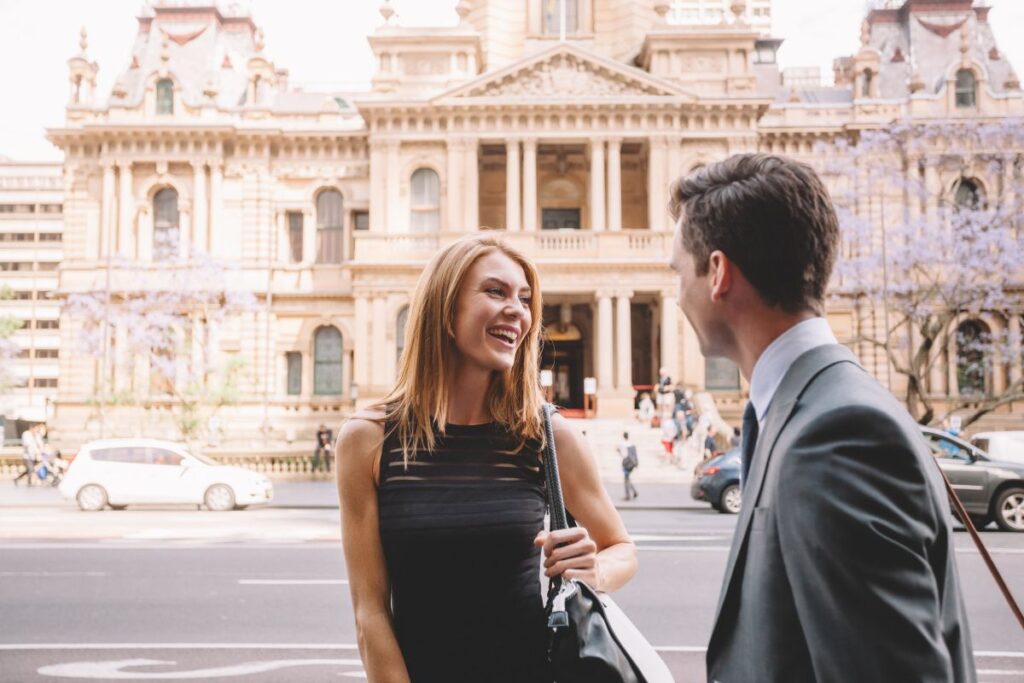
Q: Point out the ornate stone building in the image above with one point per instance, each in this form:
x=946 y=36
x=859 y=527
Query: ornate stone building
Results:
x=328 y=204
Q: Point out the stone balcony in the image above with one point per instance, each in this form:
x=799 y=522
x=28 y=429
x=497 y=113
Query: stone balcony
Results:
x=564 y=246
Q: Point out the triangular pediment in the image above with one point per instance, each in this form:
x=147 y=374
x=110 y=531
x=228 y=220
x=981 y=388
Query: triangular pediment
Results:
x=565 y=72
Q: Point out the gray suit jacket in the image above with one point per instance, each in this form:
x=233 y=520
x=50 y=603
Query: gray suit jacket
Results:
x=842 y=566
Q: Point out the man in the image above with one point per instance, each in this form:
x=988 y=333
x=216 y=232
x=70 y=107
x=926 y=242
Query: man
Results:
x=842 y=565
x=627 y=451
x=324 y=444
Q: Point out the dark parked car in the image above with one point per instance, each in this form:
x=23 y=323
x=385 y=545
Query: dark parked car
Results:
x=989 y=489
x=717 y=481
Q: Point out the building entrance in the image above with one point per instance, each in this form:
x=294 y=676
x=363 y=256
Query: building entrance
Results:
x=566 y=351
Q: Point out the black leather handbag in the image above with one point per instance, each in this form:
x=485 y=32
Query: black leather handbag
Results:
x=591 y=640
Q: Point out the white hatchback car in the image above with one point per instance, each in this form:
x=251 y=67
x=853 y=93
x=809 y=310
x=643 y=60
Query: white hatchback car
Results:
x=122 y=472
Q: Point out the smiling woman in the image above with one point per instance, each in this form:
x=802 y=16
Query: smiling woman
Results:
x=446 y=475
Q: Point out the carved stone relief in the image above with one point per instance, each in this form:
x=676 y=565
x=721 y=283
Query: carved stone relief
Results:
x=564 y=75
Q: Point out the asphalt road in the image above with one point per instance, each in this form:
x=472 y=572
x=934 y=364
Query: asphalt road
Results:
x=250 y=596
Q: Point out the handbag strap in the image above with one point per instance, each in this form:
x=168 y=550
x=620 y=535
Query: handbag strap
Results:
x=965 y=519
x=553 y=484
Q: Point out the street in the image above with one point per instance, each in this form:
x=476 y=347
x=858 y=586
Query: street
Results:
x=260 y=595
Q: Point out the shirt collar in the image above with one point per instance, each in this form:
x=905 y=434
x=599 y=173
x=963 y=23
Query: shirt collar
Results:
x=774 y=362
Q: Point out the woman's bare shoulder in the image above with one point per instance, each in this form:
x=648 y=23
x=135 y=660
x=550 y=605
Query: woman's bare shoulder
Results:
x=364 y=429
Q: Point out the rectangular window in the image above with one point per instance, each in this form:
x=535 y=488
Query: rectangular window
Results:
x=52 y=265
x=47 y=325
x=295 y=235
x=294 y=372
x=560 y=219
x=45 y=382
x=22 y=295
x=17 y=237
x=51 y=237
x=25 y=353
x=47 y=353
x=15 y=265
x=361 y=220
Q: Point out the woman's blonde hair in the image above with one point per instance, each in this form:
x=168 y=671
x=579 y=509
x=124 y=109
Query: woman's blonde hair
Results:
x=419 y=400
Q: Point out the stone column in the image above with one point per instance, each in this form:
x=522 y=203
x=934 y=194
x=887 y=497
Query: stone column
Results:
x=933 y=188
x=216 y=229
x=530 y=185
x=605 y=342
x=597 y=171
x=394 y=221
x=107 y=240
x=361 y=357
x=670 y=332
x=378 y=177
x=453 y=222
x=308 y=237
x=471 y=174
x=199 y=207
x=513 y=200
x=656 y=205
x=623 y=342
x=615 y=184
x=379 y=344
x=1014 y=338
x=693 y=359
x=126 y=241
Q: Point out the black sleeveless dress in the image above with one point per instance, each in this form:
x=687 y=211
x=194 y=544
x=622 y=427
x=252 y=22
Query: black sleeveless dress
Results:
x=457 y=527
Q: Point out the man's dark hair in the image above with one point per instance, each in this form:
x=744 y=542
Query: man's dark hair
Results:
x=771 y=216
x=625 y=435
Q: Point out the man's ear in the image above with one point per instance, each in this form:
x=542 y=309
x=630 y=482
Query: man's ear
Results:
x=720 y=275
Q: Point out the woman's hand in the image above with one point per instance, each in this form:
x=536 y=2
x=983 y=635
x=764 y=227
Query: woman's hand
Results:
x=575 y=559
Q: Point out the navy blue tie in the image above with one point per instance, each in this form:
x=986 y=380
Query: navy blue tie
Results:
x=750 y=427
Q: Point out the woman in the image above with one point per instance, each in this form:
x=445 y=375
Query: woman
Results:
x=442 y=489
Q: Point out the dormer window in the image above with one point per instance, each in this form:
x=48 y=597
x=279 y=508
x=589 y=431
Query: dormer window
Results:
x=551 y=17
x=165 y=96
x=966 y=89
x=865 y=88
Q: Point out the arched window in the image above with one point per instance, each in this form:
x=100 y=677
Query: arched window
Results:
x=327 y=361
x=552 y=16
x=165 y=96
x=329 y=226
x=972 y=341
x=865 y=88
x=968 y=194
x=165 y=224
x=403 y=319
x=425 y=203
x=966 y=89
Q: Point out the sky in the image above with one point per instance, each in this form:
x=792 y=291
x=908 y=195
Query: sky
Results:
x=323 y=45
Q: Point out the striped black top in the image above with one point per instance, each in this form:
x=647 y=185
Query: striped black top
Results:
x=457 y=527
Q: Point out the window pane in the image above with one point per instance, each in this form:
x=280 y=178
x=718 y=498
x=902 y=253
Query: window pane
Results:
x=328 y=209
x=327 y=349
x=362 y=220
x=966 y=86
x=329 y=223
x=295 y=235
x=165 y=96
x=426 y=189
x=165 y=223
x=329 y=245
x=294 y=373
x=552 y=17
x=162 y=456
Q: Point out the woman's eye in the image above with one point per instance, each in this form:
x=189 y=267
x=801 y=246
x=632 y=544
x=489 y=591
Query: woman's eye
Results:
x=526 y=300
x=496 y=291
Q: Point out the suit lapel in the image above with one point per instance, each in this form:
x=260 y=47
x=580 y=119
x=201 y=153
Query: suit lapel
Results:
x=808 y=366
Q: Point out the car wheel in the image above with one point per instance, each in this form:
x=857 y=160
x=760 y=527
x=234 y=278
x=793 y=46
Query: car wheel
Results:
x=980 y=521
x=219 y=498
x=1010 y=510
x=91 y=498
x=731 y=500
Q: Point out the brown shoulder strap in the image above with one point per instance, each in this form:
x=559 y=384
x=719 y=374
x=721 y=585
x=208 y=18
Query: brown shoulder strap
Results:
x=958 y=507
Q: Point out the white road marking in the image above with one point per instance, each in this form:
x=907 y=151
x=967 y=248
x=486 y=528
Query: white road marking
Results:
x=640 y=538
x=1000 y=672
x=293 y=582
x=114 y=670
x=684 y=548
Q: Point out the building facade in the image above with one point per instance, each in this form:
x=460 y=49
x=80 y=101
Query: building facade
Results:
x=561 y=137
x=31 y=250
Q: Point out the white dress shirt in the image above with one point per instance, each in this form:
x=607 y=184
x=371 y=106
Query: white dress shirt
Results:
x=774 y=362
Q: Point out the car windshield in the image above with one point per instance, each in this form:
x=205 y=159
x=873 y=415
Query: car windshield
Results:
x=206 y=460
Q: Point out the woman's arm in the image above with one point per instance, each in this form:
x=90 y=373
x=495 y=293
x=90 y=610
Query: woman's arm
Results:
x=599 y=551
x=357 y=455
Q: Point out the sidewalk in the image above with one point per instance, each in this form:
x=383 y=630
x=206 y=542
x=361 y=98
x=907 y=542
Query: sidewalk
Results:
x=322 y=494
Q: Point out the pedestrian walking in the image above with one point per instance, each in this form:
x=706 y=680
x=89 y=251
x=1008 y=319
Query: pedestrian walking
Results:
x=711 y=448
x=630 y=461
x=31 y=453
x=669 y=432
x=442 y=486
x=324 y=443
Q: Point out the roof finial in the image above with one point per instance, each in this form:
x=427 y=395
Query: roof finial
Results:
x=738 y=9
x=387 y=11
x=661 y=8
x=165 y=48
x=965 y=38
x=83 y=41
x=865 y=33
x=258 y=43
x=462 y=9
